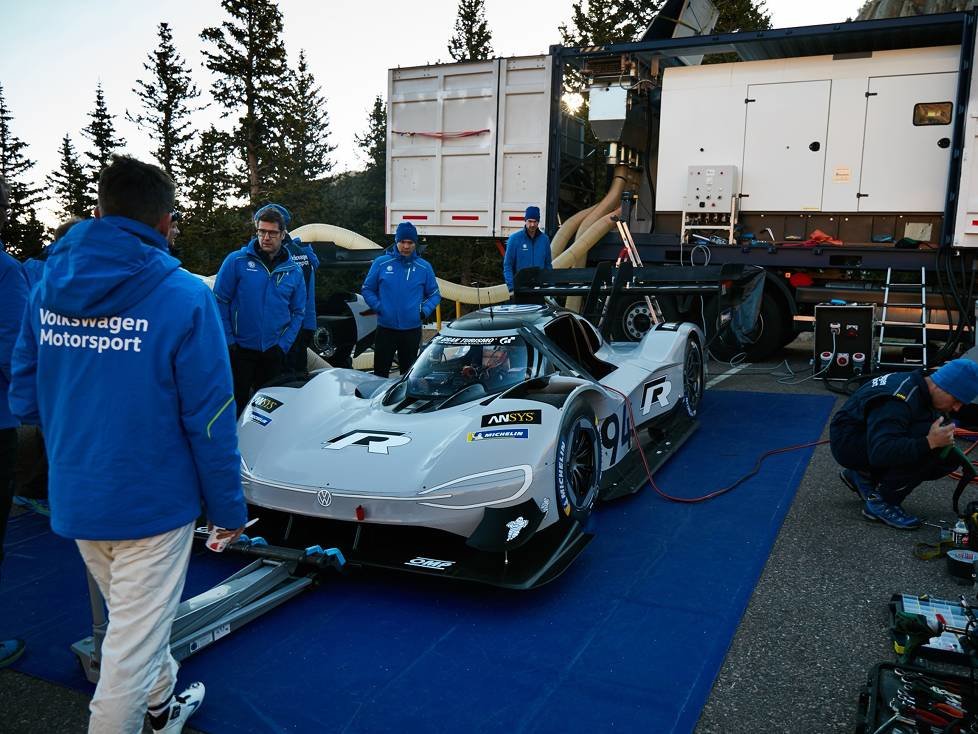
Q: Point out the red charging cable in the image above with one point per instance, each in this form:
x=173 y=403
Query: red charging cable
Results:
x=717 y=492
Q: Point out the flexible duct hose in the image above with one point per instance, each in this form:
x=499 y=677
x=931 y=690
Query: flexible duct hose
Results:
x=612 y=199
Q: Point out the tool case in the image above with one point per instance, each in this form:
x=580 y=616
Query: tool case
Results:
x=943 y=648
x=883 y=686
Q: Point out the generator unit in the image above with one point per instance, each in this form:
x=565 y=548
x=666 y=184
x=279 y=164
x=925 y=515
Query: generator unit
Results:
x=843 y=340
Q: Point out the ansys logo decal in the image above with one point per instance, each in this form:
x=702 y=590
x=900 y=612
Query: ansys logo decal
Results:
x=499 y=433
x=266 y=403
x=511 y=418
x=377 y=442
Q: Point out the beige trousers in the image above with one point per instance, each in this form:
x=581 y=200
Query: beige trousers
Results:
x=141 y=581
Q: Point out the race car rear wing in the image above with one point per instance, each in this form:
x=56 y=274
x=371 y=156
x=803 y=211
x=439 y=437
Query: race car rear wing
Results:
x=713 y=296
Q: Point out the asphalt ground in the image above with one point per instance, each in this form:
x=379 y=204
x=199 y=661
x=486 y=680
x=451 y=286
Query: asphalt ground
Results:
x=816 y=624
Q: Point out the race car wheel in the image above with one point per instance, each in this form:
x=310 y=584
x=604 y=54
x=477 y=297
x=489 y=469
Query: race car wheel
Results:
x=693 y=376
x=578 y=463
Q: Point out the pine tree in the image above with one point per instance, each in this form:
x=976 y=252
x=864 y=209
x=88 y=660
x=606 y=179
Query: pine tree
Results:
x=23 y=233
x=472 y=39
x=373 y=146
x=598 y=22
x=69 y=184
x=166 y=97
x=302 y=133
x=742 y=15
x=100 y=132
x=211 y=226
x=249 y=61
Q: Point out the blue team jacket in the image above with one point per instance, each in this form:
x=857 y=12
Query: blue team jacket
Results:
x=260 y=308
x=13 y=298
x=400 y=288
x=122 y=362
x=522 y=252
x=307 y=261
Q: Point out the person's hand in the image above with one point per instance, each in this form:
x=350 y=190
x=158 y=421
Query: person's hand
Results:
x=232 y=534
x=940 y=434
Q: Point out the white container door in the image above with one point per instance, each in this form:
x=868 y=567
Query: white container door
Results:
x=907 y=143
x=784 y=146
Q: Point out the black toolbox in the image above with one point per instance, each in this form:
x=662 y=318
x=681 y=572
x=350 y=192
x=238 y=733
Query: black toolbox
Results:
x=885 y=683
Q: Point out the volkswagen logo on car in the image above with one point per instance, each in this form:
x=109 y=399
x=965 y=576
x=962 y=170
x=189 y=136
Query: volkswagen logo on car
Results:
x=324 y=498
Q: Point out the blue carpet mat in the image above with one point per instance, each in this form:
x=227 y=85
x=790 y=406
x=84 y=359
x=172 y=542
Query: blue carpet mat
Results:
x=630 y=638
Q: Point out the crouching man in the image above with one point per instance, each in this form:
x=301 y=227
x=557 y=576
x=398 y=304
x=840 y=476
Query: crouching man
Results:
x=121 y=360
x=890 y=436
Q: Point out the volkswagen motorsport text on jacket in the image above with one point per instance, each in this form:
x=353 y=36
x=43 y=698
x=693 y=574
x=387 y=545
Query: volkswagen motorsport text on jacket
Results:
x=116 y=362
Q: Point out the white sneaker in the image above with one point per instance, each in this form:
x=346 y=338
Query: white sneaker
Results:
x=181 y=708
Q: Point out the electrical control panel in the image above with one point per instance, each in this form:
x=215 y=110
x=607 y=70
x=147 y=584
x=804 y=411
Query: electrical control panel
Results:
x=710 y=188
x=843 y=340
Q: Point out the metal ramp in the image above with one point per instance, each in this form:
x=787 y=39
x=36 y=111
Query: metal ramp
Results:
x=259 y=587
x=908 y=335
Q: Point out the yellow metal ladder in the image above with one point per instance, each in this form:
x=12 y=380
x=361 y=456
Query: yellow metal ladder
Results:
x=905 y=317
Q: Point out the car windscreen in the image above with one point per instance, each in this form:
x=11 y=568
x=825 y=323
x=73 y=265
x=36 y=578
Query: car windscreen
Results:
x=452 y=363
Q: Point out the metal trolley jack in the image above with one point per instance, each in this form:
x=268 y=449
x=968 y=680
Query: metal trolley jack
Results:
x=272 y=578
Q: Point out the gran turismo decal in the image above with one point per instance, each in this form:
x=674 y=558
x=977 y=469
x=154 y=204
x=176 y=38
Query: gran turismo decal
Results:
x=266 y=403
x=472 y=340
x=517 y=308
x=499 y=433
x=515 y=527
x=262 y=420
x=512 y=417
x=432 y=564
x=324 y=498
x=656 y=391
x=377 y=442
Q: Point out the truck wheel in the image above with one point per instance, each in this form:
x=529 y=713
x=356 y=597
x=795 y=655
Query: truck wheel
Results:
x=767 y=338
x=577 y=463
x=635 y=320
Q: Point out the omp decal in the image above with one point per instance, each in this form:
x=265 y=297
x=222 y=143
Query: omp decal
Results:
x=513 y=416
x=324 y=498
x=656 y=391
x=262 y=420
x=515 y=527
x=432 y=564
x=613 y=435
x=499 y=433
x=561 y=489
x=377 y=442
x=266 y=403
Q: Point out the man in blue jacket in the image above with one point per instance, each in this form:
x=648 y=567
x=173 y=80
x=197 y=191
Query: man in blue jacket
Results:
x=307 y=261
x=13 y=298
x=121 y=361
x=262 y=300
x=402 y=289
x=890 y=435
x=528 y=248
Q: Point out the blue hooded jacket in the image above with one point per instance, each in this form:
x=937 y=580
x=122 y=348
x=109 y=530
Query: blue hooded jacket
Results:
x=522 y=252
x=121 y=361
x=13 y=298
x=400 y=288
x=306 y=259
x=260 y=308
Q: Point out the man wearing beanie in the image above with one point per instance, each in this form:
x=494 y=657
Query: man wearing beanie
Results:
x=528 y=248
x=889 y=436
x=401 y=288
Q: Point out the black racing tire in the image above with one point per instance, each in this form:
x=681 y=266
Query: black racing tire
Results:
x=577 y=463
x=694 y=376
x=767 y=338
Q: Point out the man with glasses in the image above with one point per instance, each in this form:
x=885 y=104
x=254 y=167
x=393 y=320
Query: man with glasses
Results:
x=262 y=299
x=528 y=248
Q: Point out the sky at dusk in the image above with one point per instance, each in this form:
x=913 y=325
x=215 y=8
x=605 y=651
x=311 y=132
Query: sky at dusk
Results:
x=56 y=51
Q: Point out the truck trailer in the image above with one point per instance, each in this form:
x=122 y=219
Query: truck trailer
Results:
x=842 y=158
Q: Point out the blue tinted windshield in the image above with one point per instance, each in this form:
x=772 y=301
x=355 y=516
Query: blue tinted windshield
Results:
x=451 y=363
